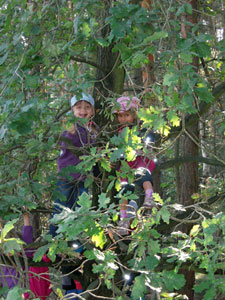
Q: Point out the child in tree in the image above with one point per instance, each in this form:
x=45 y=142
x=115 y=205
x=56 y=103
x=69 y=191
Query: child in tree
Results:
x=127 y=116
x=80 y=135
x=38 y=276
x=83 y=133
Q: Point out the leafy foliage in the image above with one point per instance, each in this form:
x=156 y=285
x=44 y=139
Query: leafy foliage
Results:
x=48 y=52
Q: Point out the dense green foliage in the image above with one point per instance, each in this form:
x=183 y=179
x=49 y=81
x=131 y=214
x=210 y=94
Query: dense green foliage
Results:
x=49 y=51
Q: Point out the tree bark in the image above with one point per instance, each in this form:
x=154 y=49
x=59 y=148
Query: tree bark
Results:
x=110 y=79
x=190 y=182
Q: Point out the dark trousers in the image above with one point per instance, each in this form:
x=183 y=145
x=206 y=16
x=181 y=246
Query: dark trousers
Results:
x=71 y=192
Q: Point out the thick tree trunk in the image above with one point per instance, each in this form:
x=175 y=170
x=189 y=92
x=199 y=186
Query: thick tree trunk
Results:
x=190 y=180
x=189 y=186
x=110 y=79
x=109 y=83
x=189 y=171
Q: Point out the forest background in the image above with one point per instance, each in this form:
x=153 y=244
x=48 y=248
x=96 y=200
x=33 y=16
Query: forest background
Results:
x=170 y=54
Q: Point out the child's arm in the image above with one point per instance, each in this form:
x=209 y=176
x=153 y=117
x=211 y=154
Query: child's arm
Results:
x=27 y=231
x=26 y=219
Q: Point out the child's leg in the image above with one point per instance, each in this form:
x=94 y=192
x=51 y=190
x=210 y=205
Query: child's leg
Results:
x=144 y=179
x=69 y=191
x=124 y=222
x=125 y=216
x=148 y=188
x=126 y=188
x=123 y=209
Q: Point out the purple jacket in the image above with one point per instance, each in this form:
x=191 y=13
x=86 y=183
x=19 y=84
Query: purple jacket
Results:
x=9 y=273
x=80 y=138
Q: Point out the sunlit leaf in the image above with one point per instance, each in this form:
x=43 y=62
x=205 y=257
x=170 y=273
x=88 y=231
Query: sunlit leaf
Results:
x=194 y=231
x=173 y=118
x=7 y=228
x=99 y=239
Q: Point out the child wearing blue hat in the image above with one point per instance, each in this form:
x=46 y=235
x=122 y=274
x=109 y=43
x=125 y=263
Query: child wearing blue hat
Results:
x=82 y=133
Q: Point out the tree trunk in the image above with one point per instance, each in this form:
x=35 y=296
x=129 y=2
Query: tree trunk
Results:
x=189 y=186
x=189 y=171
x=109 y=83
x=190 y=182
x=110 y=79
x=177 y=169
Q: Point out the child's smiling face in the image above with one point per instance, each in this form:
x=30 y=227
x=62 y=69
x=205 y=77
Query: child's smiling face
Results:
x=125 y=117
x=83 y=110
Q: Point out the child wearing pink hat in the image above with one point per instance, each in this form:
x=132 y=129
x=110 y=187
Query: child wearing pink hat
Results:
x=126 y=115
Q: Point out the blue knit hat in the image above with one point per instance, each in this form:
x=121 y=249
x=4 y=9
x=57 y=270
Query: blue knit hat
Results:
x=86 y=97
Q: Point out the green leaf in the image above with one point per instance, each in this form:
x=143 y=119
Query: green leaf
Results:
x=12 y=245
x=32 y=81
x=52 y=252
x=204 y=285
x=106 y=164
x=202 y=49
x=195 y=230
x=172 y=280
x=116 y=140
x=89 y=254
x=173 y=118
x=165 y=215
x=3 y=131
x=154 y=246
x=157 y=198
x=88 y=182
x=204 y=94
x=27 y=107
x=84 y=201
x=110 y=186
x=139 y=288
x=170 y=78
x=158 y=35
x=40 y=252
x=99 y=239
x=187 y=100
x=180 y=10
x=86 y=29
x=7 y=228
x=15 y=293
x=3 y=58
x=186 y=57
x=116 y=155
x=152 y=262
x=130 y=154
x=188 y=8
x=103 y=200
x=102 y=42
x=3 y=46
x=99 y=254
x=210 y=294
x=139 y=58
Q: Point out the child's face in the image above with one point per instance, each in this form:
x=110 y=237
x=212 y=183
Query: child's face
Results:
x=125 y=117
x=83 y=110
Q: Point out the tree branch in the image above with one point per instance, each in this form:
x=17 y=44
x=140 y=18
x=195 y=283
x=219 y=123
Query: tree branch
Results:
x=179 y=160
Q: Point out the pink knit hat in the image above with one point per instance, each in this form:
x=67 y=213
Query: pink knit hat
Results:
x=126 y=103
